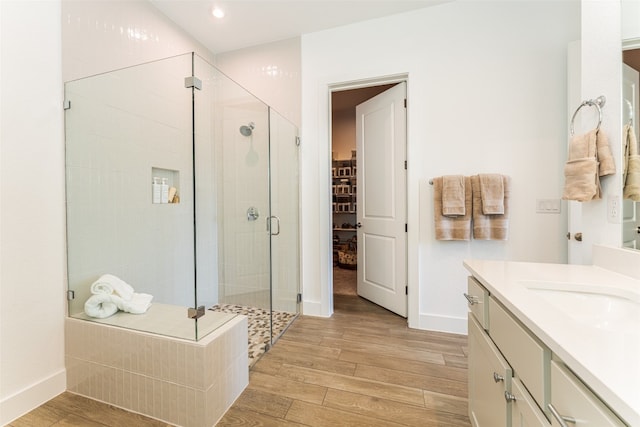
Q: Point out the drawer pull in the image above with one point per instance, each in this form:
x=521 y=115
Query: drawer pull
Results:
x=471 y=298
x=509 y=397
x=497 y=377
x=562 y=420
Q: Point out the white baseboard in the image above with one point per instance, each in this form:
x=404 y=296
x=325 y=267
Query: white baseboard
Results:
x=449 y=324
x=26 y=400
x=312 y=308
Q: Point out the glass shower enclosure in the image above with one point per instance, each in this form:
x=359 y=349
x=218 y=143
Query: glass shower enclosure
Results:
x=182 y=188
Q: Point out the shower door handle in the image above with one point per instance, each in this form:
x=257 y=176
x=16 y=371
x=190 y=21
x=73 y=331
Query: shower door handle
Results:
x=270 y=228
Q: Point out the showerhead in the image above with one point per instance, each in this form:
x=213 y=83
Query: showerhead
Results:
x=247 y=130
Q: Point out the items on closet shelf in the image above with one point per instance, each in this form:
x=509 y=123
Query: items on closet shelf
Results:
x=631 y=174
x=452 y=207
x=491 y=194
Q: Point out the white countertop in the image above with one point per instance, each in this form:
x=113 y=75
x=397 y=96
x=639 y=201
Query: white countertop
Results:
x=608 y=361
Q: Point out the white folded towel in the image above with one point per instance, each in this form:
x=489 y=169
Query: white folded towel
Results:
x=138 y=304
x=110 y=284
x=101 y=306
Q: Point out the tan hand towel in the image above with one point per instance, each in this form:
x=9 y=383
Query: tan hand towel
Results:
x=453 y=195
x=632 y=166
x=492 y=194
x=582 y=182
x=451 y=227
x=490 y=227
x=605 y=156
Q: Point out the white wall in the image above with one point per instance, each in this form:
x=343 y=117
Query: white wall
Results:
x=32 y=273
x=601 y=74
x=102 y=35
x=486 y=93
x=271 y=72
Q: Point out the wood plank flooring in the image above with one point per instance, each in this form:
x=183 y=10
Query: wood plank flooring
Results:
x=361 y=367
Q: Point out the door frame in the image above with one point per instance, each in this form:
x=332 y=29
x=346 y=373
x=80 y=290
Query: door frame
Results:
x=360 y=84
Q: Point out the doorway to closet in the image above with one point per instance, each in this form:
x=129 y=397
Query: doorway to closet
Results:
x=368 y=173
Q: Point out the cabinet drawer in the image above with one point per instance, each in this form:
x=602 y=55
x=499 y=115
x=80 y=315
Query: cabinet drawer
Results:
x=524 y=411
x=571 y=398
x=528 y=357
x=489 y=378
x=477 y=297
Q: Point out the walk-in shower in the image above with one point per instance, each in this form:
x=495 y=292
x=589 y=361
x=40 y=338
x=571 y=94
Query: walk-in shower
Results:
x=158 y=187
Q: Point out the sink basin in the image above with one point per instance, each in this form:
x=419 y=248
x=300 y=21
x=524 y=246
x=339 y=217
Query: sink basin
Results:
x=602 y=307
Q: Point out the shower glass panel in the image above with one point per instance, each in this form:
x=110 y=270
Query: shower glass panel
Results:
x=235 y=124
x=284 y=223
x=124 y=130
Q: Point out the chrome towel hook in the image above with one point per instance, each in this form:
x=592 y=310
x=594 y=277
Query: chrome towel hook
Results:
x=598 y=103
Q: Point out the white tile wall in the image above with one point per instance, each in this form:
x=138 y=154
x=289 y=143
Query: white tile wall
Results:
x=177 y=381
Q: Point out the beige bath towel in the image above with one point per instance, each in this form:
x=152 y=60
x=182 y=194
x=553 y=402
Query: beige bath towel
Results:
x=631 y=173
x=453 y=195
x=605 y=156
x=451 y=227
x=582 y=181
x=492 y=194
x=490 y=227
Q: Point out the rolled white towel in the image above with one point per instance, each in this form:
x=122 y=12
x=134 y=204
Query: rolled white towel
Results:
x=101 y=305
x=110 y=284
x=138 y=304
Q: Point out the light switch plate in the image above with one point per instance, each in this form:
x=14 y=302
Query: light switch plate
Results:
x=548 y=206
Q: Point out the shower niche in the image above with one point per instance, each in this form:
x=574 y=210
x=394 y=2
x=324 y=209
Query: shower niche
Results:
x=222 y=150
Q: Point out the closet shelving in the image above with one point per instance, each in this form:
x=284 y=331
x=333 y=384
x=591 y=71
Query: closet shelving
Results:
x=344 y=190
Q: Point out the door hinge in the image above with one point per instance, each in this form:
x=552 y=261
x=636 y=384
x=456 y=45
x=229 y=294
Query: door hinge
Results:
x=71 y=295
x=405 y=103
x=405 y=165
x=297 y=141
x=406 y=228
x=66 y=104
x=299 y=298
x=406 y=290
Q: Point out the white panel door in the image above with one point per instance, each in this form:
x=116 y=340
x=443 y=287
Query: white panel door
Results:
x=630 y=214
x=381 y=200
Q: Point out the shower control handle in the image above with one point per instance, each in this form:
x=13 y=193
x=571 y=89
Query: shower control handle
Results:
x=252 y=214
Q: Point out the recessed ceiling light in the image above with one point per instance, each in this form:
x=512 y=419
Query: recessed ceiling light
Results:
x=217 y=12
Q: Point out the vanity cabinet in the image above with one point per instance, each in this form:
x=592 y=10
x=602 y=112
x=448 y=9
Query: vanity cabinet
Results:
x=489 y=379
x=572 y=400
x=515 y=380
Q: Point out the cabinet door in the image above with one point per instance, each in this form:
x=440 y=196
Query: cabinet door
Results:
x=489 y=378
x=524 y=411
x=572 y=399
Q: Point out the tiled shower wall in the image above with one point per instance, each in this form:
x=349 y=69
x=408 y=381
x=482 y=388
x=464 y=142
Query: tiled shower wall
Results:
x=185 y=383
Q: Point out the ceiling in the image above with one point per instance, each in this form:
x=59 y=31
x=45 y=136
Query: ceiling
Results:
x=253 y=22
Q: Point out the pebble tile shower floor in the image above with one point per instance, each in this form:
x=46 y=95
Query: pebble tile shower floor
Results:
x=259 y=331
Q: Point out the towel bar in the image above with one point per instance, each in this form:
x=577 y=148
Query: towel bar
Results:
x=598 y=103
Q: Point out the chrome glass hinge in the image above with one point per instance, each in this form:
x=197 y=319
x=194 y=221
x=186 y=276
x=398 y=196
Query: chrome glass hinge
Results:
x=195 y=313
x=66 y=104
x=71 y=295
x=193 y=81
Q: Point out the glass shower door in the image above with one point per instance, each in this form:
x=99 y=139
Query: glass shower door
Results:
x=284 y=222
